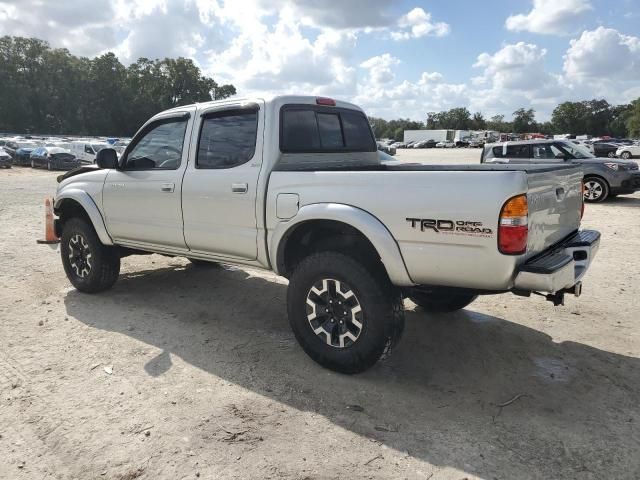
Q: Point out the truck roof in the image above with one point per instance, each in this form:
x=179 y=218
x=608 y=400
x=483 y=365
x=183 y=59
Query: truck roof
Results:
x=277 y=100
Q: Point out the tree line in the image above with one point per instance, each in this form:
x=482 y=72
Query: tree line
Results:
x=50 y=91
x=590 y=117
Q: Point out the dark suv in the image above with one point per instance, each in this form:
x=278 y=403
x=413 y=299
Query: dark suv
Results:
x=603 y=177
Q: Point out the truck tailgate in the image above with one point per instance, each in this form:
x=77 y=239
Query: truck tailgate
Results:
x=555 y=204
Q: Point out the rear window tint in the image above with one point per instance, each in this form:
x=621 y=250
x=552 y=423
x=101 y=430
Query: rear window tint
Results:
x=310 y=129
x=512 y=151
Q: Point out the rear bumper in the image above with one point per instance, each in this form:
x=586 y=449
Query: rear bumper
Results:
x=561 y=267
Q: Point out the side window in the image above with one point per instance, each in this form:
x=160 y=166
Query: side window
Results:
x=547 y=151
x=88 y=149
x=227 y=139
x=513 y=151
x=160 y=147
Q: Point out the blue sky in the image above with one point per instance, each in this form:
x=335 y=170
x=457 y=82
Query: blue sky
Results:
x=396 y=58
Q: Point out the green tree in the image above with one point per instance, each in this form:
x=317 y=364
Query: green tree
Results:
x=524 y=120
x=633 y=119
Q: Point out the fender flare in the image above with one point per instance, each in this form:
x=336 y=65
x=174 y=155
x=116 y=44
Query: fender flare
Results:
x=372 y=228
x=89 y=206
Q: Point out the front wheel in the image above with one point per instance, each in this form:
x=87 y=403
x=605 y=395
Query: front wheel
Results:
x=345 y=316
x=595 y=190
x=33 y=164
x=611 y=154
x=90 y=266
x=49 y=165
x=626 y=155
x=441 y=300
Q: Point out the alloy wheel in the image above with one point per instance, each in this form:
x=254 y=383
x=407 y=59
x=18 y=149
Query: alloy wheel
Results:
x=593 y=190
x=334 y=313
x=80 y=255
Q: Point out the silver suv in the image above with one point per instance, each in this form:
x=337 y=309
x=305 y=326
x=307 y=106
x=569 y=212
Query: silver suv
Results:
x=603 y=177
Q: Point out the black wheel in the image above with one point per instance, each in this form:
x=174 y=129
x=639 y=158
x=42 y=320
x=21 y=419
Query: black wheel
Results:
x=90 y=266
x=441 y=299
x=626 y=155
x=595 y=190
x=202 y=263
x=344 y=316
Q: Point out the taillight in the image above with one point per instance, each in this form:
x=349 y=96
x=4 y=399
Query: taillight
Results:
x=329 y=102
x=513 y=229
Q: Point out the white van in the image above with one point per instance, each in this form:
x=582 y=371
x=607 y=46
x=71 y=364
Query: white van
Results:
x=86 y=151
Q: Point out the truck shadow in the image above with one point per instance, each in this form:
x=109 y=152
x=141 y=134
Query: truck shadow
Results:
x=437 y=398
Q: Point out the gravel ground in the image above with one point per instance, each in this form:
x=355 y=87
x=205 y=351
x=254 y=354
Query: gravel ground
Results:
x=182 y=372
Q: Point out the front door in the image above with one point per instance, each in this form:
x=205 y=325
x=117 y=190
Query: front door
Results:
x=141 y=200
x=219 y=189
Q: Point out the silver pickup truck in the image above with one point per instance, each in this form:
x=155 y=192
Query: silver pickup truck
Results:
x=295 y=184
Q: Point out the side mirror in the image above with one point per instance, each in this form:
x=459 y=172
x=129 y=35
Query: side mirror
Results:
x=107 y=158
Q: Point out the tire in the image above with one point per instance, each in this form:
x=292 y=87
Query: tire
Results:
x=49 y=165
x=202 y=263
x=596 y=190
x=611 y=154
x=91 y=267
x=373 y=316
x=441 y=300
x=625 y=155
x=33 y=164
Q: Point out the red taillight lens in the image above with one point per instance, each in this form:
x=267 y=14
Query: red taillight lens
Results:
x=513 y=230
x=329 y=102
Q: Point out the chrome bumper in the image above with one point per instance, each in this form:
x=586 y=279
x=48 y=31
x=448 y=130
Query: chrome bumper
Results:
x=560 y=268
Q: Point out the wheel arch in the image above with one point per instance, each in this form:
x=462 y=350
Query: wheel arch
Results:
x=77 y=203
x=322 y=224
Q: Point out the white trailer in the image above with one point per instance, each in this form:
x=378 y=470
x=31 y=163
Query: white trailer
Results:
x=422 y=135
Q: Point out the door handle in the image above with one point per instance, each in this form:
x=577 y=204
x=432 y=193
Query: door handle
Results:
x=239 y=187
x=168 y=187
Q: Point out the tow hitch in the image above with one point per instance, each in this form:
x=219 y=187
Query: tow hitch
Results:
x=556 y=298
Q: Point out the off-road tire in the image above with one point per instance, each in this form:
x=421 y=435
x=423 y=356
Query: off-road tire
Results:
x=382 y=314
x=441 y=300
x=104 y=261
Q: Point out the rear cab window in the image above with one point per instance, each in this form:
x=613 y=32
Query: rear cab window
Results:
x=322 y=129
x=511 y=151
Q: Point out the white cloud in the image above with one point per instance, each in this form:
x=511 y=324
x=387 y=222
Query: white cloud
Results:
x=417 y=23
x=552 y=17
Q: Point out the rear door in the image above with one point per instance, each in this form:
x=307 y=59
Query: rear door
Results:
x=142 y=200
x=220 y=185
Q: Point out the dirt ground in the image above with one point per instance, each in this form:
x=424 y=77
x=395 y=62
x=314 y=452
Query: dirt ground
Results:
x=182 y=373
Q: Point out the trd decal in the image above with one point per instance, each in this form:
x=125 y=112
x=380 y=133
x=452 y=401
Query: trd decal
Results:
x=451 y=227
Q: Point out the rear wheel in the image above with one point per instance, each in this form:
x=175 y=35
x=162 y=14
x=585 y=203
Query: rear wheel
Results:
x=441 y=300
x=90 y=266
x=626 y=155
x=345 y=316
x=595 y=190
x=611 y=154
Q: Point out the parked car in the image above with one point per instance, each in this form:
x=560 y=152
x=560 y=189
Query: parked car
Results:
x=5 y=159
x=86 y=151
x=604 y=149
x=22 y=156
x=628 y=151
x=425 y=144
x=388 y=149
x=54 y=158
x=295 y=184
x=476 y=144
x=462 y=144
x=603 y=177
x=446 y=144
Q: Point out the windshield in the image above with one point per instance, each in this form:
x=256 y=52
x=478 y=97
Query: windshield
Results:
x=578 y=151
